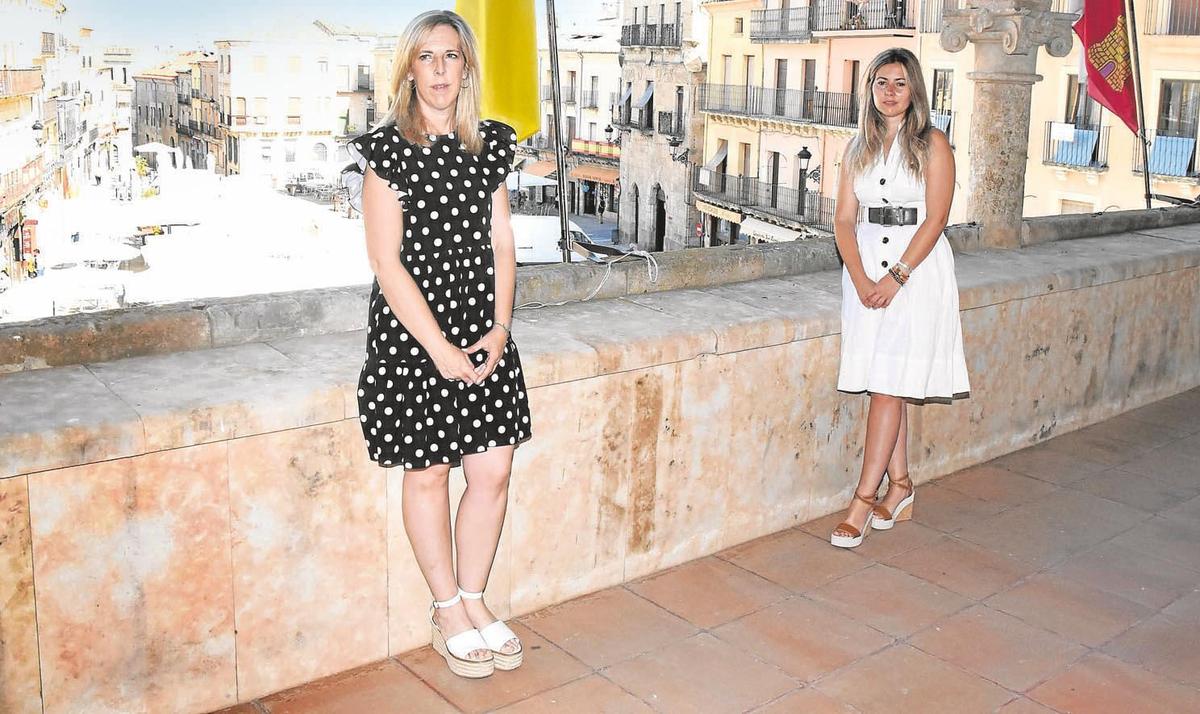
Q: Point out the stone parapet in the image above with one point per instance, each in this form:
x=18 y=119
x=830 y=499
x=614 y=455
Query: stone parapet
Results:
x=226 y=322
x=181 y=532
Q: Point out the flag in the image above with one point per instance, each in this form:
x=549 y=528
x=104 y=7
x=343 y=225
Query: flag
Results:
x=508 y=60
x=1103 y=31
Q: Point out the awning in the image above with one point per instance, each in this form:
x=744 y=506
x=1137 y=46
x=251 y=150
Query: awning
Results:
x=541 y=168
x=718 y=212
x=625 y=97
x=600 y=174
x=717 y=158
x=646 y=95
x=767 y=232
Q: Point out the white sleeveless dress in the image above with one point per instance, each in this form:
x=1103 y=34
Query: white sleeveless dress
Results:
x=913 y=347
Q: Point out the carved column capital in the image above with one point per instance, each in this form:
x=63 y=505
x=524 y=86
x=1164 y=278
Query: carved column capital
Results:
x=1019 y=26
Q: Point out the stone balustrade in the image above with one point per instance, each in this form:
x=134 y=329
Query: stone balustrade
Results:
x=183 y=531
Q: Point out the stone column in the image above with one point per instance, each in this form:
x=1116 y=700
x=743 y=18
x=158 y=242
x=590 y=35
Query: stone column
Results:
x=1006 y=35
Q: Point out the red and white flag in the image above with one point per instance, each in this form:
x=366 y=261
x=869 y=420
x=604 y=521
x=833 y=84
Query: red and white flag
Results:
x=1103 y=30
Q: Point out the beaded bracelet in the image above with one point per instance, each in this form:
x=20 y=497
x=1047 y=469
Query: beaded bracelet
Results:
x=897 y=276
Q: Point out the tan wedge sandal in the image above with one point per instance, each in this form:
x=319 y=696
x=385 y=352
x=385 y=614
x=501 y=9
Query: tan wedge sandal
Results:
x=856 y=536
x=882 y=519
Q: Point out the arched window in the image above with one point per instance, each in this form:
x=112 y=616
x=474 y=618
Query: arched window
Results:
x=320 y=152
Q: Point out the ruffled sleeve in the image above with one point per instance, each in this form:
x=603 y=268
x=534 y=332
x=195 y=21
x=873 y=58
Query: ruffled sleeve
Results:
x=378 y=151
x=499 y=150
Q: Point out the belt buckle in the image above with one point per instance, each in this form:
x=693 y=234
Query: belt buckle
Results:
x=889 y=216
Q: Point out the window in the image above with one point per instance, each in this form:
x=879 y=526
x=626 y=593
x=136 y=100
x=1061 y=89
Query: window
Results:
x=260 y=110
x=1067 y=206
x=1179 y=108
x=942 y=97
x=293 y=110
x=738 y=26
x=323 y=66
x=1081 y=109
x=591 y=131
x=320 y=153
x=266 y=151
x=289 y=151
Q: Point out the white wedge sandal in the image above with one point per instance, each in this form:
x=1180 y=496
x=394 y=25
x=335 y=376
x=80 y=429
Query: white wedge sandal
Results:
x=456 y=648
x=496 y=635
x=882 y=519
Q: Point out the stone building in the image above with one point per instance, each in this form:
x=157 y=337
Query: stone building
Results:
x=663 y=51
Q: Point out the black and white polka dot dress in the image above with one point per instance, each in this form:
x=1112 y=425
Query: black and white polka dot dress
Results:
x=410 y=415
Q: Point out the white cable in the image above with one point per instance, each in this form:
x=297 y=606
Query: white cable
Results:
x=652 y=272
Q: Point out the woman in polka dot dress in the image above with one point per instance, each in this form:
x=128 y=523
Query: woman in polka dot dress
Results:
x=442 y=383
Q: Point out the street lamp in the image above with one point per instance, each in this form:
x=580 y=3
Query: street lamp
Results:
x=802 y=159
x=608 y=133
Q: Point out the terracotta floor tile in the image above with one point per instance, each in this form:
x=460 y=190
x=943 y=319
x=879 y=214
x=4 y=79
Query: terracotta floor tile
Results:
x=1164 y=645
x=545 y=667
x=247 y=708
x=1102 y=685
x=962 y=567
x=803 y=638
x=879 y=544
x=1099 y=517
x=998 y=647
x=590 y=694
x=997 y=485
x=1133 y=489
x=890 y=600
x=1174 y=466
x=1186 y=608
x=1047 y=464
x=948 y=510
x=1188 y=510
x=795 y=560
x=1096 y=447
x=1137 y=432
x=806 y=701
x=700 y=674
x=1173 y=539
x=903 y=679
x=709 y=592
x=1068 y=608
x=378 y=688
x=1133 y=575
x=1026 y=535
x=1175 y=416
x=608 y=626
x=1021 y=705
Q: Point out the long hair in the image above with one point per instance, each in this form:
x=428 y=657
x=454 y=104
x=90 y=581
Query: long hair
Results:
x=913 y=136
x=405 y=111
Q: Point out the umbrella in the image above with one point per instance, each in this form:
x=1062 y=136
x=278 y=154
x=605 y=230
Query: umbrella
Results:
x=152 y=147
x=521 y=180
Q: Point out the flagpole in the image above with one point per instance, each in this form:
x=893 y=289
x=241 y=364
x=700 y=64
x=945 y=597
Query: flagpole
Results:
x=1137 y=87
x=559 y=154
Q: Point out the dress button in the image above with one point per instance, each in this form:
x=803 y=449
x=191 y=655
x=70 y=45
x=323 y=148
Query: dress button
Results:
x=885 y=263
x=882 y=181
x=885 y=240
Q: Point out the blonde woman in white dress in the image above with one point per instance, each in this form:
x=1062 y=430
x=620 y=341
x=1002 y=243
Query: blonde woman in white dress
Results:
x=901 y=335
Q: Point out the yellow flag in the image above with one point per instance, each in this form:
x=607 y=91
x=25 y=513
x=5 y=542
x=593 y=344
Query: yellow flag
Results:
x=508 y=60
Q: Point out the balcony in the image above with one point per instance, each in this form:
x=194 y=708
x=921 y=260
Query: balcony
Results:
x=650 y=35
x=195 y=93
x=18 y=82
x=809 y=107
x=568 y=95
x=184 y=98
x=589 y=147
x=838 y=16
x=1172 y=17
x=591 y=99
x=1076 y=146
x=943 y=120
x=1172 y=156
x=933 y=11
x=753 y=196
x=294 y=120
x=790 y=25
x=670 y=125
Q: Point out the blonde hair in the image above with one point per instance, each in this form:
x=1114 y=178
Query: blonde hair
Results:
x=913 y=136
x=405 y=111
